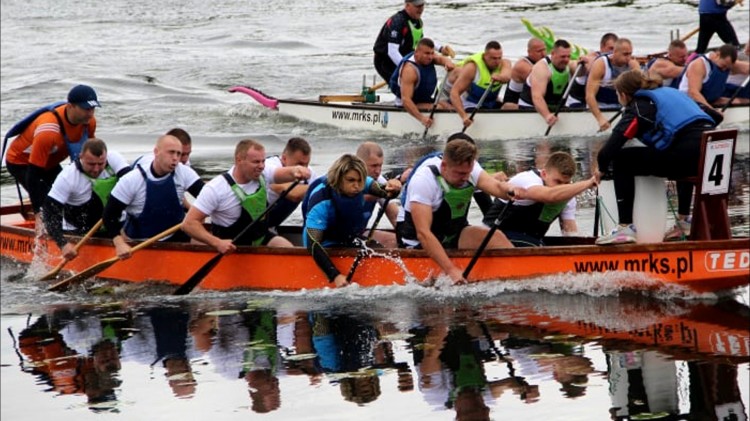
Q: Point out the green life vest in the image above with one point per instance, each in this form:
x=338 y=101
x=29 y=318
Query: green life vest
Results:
x=254 y=204
x=456 y=201
x=559 y=79
x=416 y=34
x=485 y=76
x=102 y=187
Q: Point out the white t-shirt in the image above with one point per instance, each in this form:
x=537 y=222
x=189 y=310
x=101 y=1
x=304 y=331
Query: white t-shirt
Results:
x=424 y=188
x=218 y=201
x=131 y=189
x=272 y=163
x=72 y=187
x=528 y=179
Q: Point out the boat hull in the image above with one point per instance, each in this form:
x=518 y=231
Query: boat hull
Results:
x=706 y=266
x=488 y=125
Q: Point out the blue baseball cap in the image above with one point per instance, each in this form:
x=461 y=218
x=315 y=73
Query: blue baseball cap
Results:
x=83 y=96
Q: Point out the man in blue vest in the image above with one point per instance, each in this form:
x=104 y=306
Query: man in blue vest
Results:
x=671 y=67
x=705 y=77
x=415 y=79
x=151 y=196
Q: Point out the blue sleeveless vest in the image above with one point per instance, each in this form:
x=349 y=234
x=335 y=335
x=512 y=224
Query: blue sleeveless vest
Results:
x=161 y=210
x=425 y=85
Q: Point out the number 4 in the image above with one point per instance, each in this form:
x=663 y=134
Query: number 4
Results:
x=716 y=173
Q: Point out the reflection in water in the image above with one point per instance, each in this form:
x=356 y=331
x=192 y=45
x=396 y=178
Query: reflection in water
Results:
x=93 y=373
x=471 y=362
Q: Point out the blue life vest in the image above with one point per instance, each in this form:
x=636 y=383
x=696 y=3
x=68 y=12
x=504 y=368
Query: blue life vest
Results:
x=19 y=127
x=349 y=212
x=74 y=149
x=161 y=210
x=306 y=200
x=426 y=81
x=674 y=110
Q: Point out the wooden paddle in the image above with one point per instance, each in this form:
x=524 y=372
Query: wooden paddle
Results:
x=565 y=94
x=360 y=255
x=435 y=104
x=344 y=98
x=479 y=104
x=101 y=266
x=377 y=86
x=486 y=240
x=53 y=273
x=207 y=267
x=663 y=53
x=734 y=95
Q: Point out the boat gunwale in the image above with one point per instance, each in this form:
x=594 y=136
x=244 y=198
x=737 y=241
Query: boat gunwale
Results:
x=549 y=250
x=390 y=107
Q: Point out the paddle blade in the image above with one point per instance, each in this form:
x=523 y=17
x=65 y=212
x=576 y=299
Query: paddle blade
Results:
x=93 y=270
x=198 y=276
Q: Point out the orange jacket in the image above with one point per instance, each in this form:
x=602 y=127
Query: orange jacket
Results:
x=42 y=143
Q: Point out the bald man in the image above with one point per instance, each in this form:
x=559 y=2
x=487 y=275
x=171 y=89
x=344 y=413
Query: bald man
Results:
x=372 y=154
x=535 y=51
x=151 y=197
x=600 y=92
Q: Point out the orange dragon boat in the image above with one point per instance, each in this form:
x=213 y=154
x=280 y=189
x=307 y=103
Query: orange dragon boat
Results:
x=699 y=266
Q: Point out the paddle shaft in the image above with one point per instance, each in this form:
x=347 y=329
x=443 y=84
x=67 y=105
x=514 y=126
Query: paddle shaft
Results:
x=479 y=104
x=370 y=234
x=207 y=267
x=734 y=95
x=565 y=94
x=487 y=238
x=683 y=39
x=101 y=266
x=377 y=86
x=51 y=274
x=435 y=104
x=614 y=117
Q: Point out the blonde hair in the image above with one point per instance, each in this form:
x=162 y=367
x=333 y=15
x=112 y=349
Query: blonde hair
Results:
x=245 y=145
x=341 y=166
x=632 y=80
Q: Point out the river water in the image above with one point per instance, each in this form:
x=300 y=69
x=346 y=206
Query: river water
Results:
x=582 y=348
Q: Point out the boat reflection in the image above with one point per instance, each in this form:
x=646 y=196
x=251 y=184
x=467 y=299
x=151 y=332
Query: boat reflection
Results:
x=472 y=360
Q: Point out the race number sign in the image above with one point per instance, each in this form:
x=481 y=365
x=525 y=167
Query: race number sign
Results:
x=717 y=166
